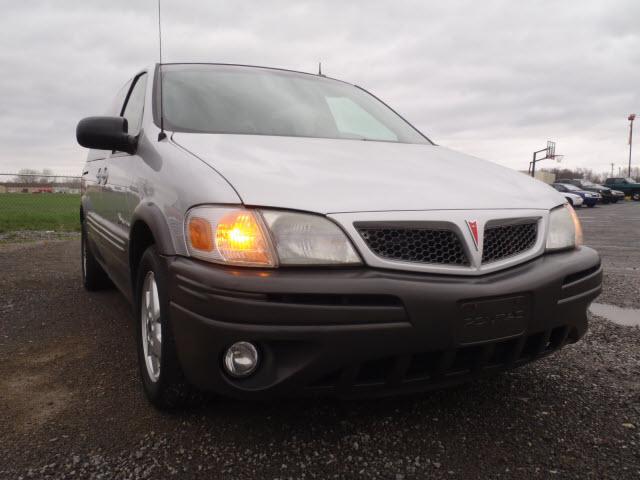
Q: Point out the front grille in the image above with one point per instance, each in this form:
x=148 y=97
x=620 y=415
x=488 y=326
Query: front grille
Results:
x=503 y=241
x=419 y=245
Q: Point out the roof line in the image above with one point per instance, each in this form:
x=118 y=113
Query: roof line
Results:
x=257 y=66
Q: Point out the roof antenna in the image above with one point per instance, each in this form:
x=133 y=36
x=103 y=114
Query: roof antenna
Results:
x=161 y=135
x=320 y=69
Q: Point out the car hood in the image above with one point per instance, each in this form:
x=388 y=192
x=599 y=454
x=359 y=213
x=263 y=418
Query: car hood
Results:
x=332 y=175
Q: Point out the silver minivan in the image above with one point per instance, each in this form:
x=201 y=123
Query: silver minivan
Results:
x=284 y=233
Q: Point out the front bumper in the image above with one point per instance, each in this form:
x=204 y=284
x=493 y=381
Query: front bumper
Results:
x=361 y=331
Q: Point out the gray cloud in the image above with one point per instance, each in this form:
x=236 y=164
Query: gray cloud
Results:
x=495 y=78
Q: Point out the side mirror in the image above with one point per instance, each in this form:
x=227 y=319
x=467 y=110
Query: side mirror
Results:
x=105 y=133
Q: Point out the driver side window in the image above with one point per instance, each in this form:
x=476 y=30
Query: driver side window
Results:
x=134 y=107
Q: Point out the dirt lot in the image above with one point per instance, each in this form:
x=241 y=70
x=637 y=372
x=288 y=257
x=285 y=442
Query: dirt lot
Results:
x=71 y=405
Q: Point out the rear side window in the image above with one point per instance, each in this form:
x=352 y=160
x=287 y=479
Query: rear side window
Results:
x=134 y=108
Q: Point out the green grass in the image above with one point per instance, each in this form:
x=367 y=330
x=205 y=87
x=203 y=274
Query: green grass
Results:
x=39 y=211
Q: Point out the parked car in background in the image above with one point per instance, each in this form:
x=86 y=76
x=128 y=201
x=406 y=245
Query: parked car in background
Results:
x=573 y=199
x=605 y=192
x=283 y=233
x=589 y=198
x=627 y=185
x=617 y=195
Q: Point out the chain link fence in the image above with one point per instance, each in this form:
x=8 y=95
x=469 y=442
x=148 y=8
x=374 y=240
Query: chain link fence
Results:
x=32 y=202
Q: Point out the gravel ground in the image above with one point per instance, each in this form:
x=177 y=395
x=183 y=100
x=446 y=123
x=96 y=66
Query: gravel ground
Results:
x=20 y=236
x=72 y=406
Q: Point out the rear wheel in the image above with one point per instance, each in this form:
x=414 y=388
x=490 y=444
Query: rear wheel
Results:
x=591 y=205
x=635 y=196
x=93 y=275
x=162 y=378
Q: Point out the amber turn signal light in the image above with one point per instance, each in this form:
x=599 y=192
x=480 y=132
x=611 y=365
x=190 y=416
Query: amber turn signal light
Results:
x=240 y=239
x=200 y=234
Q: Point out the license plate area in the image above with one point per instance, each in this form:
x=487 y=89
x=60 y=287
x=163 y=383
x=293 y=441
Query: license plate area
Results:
x=492 y=319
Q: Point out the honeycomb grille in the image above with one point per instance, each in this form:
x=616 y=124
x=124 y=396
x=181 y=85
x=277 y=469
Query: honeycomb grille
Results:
x=415 y=245
x=503 y=241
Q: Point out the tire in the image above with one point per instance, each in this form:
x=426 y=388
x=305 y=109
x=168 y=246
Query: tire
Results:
x=591 y=205
x=635 y=196
x=93 y=275
x=162 y=379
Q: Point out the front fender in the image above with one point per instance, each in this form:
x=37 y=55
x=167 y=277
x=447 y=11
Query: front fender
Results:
x=152 y=216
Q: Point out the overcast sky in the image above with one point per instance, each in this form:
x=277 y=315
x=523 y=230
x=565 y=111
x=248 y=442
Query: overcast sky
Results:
x=494 y=79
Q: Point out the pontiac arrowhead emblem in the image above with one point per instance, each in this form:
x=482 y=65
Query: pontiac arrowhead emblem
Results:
x=473 y=229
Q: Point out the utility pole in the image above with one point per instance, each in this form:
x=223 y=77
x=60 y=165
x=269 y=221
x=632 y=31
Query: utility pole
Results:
x=612 y=168
x=631 y=118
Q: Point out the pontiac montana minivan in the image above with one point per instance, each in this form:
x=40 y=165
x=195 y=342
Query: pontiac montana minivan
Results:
x=283 y=233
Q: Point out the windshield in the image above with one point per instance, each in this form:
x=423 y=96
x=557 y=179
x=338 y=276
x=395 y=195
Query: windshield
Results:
x=260 y=101
x=573 y=188
x=630 y=180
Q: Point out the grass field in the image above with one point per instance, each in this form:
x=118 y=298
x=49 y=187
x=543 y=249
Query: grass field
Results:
x=41 y=211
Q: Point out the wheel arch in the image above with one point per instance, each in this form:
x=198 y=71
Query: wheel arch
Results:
x=148 y=227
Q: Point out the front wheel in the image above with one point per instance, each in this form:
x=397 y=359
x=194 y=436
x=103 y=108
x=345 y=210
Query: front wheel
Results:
x=635 y=196
x=162 y=378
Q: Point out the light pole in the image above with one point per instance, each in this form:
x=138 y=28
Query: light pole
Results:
x=631 y=118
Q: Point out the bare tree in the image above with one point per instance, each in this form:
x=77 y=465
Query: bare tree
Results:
x=46 y=176
x=27 y=175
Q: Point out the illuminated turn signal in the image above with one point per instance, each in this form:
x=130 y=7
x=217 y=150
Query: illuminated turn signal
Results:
x=240 y=239
x=200 y=234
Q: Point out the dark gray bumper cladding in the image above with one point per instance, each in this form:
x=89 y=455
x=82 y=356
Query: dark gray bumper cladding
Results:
x=361 y=331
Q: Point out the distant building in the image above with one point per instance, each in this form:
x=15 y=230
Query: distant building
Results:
x=28 y=188
x=70 y=190
x=546 y=177
x=543 y=176
x=3 y=189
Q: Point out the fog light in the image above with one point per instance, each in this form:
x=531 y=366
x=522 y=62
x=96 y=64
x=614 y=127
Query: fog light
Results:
x=241 y=359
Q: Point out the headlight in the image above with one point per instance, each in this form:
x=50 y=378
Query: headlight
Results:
x=564 y=229
x=266 y=238
x=302 y=239
x=229 y=235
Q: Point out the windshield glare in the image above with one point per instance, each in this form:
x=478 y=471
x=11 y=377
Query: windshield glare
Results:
x=260 y=101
